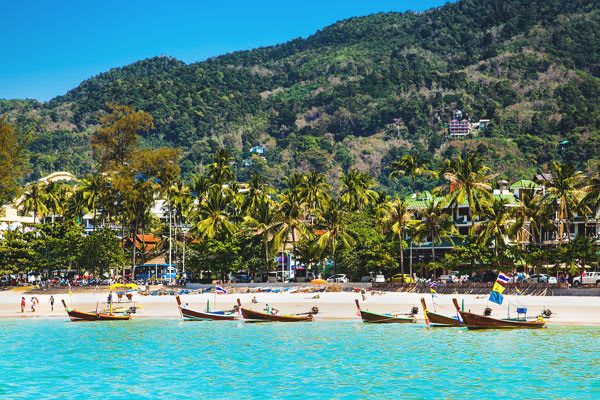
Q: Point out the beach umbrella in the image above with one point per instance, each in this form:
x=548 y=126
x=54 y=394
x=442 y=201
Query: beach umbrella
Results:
x=318 y=281
x=116 y=286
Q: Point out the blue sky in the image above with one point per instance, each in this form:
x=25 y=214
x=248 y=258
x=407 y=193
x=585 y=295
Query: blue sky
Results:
x=49 y=47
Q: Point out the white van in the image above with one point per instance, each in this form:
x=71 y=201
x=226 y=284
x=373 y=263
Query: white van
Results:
x=272 y=277
x=590 y=278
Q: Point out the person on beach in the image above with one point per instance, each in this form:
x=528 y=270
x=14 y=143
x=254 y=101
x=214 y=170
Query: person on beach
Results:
x=109 y=299
x=33 y=304
x=51 y=303
x=22 y=304
x=254 y=300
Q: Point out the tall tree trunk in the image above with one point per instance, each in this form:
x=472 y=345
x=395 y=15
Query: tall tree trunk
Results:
x=333 y=256
x=433 y=245
x=401 y=254
x=266 y=255
x=293 y=250
x=411 y=257
x=133 y=253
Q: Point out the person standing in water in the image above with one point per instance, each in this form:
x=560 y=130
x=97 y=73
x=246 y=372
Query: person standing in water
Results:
x=51 y=303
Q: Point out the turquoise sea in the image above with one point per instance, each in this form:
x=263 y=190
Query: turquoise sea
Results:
x=170 y=359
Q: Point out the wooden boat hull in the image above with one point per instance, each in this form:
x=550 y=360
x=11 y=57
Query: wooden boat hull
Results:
x=476 y=321
x=257 y=316
x=192 y=315
x=438 y=320
x=374 y=318
x=79 y=316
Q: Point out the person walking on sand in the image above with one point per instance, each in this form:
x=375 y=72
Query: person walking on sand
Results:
x=33 y=304
x=51 y=303
x=22 y=304
x=109 y=299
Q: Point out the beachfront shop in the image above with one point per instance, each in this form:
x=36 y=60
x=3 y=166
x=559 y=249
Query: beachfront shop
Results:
x=166 y=273
x=288 y=268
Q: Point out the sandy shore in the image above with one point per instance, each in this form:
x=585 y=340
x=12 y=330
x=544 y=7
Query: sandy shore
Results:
x=332 y=305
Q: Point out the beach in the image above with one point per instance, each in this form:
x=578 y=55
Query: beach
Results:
x=575 y=310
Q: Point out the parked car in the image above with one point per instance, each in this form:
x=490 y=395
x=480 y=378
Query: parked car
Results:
x=403 y=278
x=552 y=280
x=536 y=278
x=451 y=277
x=379 y=278
x=240 y=278
x=339 y=278
x=590 y=278
x=518 y=277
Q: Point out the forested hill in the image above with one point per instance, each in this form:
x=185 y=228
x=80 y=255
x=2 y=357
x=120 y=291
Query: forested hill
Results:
x=361 y=93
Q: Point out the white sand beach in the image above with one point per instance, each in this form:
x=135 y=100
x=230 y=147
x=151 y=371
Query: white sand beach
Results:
x=332 y=305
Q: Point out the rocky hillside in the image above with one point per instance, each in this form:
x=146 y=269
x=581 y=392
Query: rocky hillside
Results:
x=361 y=93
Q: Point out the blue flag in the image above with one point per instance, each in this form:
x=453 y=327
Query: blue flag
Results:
x=496 y=297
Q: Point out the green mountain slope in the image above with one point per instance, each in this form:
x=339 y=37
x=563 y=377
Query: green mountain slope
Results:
x=361 y=93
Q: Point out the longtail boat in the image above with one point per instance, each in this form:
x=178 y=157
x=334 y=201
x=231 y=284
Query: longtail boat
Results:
x=476 y=321
x=78 y=316
x=192 y=315
x=373 y=318
x=438 y=320
x=258 y=316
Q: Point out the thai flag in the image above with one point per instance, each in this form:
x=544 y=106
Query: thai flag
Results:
x=502 y=278
x=433 y=285
x=220 y=290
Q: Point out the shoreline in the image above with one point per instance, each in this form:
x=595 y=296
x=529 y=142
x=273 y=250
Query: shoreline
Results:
x=333 y=306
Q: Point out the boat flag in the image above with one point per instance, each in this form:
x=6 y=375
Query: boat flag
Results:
x=503 y=278
x=433 y=285
x=496 y=297
x=70 y=291
x=498 y=288
x=220 y=290
x=518 y=291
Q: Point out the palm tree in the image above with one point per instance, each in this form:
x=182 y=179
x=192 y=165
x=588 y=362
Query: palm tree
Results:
x=56 y=198
x=563 y=191
x=76 y=206
x=262 y=218
x=93 y=187
x=435 y=224
x=256 y=190
x=412 y=166
x=294 y=183
x=316 y=189
x=467 y=180
x=396 y=218
x=289 y=219
x=496 y=224
x=34 y=200
x=200 y=187
x=213 y=217
x=531 y=217
x=355 y=190
x=335 y=232
x=379 y=204
x=219 y=171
